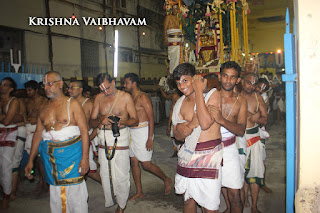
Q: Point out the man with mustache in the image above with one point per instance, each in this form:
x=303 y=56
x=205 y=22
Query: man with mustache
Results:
x=113 y=148
x=232 y=116
x=63 y=142
x=256 y=115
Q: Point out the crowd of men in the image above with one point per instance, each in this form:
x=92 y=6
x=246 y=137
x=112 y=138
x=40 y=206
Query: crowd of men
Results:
x=219 y=136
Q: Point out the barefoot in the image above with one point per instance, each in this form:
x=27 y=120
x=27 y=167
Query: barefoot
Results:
x=255 y=210
x=119 y=210
x=167 y=186
x=5 y=204
x=12 y=197
x=247 y=204
x=266 y=189
x=227 y=211
x=136 y=196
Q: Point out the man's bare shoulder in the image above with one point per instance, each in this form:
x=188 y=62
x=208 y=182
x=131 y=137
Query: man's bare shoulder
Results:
x=43 y=105
x=124 y=95
x=15 y=101
x=88 y=102
x=242 y=100
x=144 y=97
x=74 y=102
x=216 y=95
x=98 y=97
x=259 y=97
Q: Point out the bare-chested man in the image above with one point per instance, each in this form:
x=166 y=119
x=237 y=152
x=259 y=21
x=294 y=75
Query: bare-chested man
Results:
x=173 y=37
x=232 y=118
x=19 y=146
x=113 y=142
x=33 y=103
x=198 y=175
x=142 y=137
x=62 y=139
x=257 y=115
x=76 y=91
x=262 y=89
x=174 y=97
x=9 y=117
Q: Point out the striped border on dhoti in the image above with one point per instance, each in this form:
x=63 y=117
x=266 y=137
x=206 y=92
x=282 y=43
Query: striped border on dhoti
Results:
x=201 y=165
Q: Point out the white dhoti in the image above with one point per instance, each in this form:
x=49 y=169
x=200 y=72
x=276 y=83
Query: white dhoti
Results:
x=206 y=192
x=69 y=194
x=92 y=163
x=264 y=136
x=120 y=167
x=68 y=198
x=254 y=164
x=241 y=143
x=30 y=129
x=18 y=153
x=201 y=178
x=232 y=174
x=8 y=137
x=174 y=48
x=139 y=138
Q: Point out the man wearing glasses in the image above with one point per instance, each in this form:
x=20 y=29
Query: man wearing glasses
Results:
x=114 y=148
x=75 y=91
x=256 y=115
x=63 y=142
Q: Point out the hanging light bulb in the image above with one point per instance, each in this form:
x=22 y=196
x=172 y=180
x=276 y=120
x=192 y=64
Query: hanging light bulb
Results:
x=100 y=28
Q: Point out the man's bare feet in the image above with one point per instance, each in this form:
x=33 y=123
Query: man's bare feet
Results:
x=227 y=211
x=247 y=204
x=167 y=186
x=255 y=210
x=12 y=197
x=119 y=210
x=5 y=203
x=136 y=196
x=266 y=189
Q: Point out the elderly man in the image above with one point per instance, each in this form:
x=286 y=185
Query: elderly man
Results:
x=63 y=142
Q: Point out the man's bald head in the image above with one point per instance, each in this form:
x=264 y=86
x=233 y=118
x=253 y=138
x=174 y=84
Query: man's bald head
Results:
x=246 y=76
x=56 y=75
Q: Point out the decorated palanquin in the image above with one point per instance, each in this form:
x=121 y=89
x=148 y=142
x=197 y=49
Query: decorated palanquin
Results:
x=211 y=33
x=208 y=41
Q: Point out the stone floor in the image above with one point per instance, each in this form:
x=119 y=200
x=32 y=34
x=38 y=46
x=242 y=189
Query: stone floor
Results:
x=154 y=200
